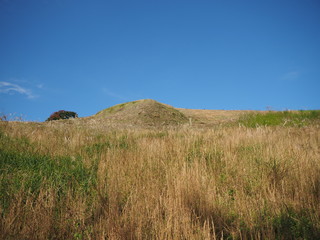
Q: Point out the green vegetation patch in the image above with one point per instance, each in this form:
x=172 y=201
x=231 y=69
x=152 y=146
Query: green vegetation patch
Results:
x=282 y=118
x=115 y=143
x=292 y=224
x=22 y=169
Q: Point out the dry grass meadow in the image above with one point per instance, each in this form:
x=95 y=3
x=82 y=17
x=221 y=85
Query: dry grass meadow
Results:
x=66 y=180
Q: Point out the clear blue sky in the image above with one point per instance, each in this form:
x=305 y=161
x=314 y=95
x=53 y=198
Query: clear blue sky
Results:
x=87 y=55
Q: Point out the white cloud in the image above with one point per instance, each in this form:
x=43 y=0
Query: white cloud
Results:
x=11 y=88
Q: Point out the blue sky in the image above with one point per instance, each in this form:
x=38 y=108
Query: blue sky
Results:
x=87 y=55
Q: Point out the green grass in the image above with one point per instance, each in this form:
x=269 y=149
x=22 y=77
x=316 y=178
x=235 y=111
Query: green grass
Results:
x=292 y=224
x=103 y=144
x=22 y=169
x=283 y=118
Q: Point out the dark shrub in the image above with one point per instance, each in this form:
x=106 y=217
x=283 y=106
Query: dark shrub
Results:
x=62 y=114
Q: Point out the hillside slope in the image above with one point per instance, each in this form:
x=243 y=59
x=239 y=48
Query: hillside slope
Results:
x=143 y=112
x=147 y=113
x=212 y=117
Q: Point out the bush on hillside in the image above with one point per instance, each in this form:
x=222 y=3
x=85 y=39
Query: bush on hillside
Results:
x=62 y=114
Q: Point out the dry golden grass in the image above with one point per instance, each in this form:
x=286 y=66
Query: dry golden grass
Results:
x=213 y=117
x=221 y=183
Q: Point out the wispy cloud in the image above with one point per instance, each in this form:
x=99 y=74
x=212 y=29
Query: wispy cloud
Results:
x=11 y=88
x=291 y=75
x=40 y=86
x=112 y=94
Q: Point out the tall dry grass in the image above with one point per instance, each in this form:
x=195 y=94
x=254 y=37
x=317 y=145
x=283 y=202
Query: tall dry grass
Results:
x=221 y=183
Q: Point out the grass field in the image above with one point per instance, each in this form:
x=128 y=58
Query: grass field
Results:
x=246 y=180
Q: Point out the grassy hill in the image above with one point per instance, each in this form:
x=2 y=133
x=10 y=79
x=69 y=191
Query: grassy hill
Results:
x=148 y=113
x=143 y=112
x=229 y=175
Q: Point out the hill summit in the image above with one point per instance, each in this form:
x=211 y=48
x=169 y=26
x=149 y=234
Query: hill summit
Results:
x=143 y=112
